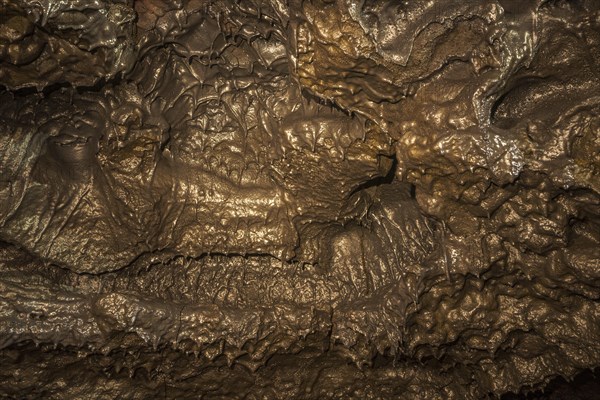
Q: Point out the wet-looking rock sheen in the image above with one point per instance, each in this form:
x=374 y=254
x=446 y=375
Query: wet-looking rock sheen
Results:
x=298 y=199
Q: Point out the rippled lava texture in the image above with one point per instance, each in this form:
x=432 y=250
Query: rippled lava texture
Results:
x=298 y=199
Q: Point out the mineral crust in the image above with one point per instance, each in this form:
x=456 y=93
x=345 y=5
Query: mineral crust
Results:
x=298 y=199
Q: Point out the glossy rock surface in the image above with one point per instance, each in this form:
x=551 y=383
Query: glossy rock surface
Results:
x=288 y=199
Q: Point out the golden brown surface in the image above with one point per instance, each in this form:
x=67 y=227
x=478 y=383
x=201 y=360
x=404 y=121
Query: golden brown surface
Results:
x=288 y=199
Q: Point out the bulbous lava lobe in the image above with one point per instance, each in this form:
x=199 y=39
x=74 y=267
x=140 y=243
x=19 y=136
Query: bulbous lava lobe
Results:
x=409 y=186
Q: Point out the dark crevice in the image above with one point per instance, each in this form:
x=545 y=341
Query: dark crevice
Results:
x=386 y=179
x=503 y=118
x=324 y=102
x=49 y=89
x=584 y=386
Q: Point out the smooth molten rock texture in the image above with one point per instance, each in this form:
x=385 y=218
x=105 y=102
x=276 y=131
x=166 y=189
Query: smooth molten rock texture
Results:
x=298 y=199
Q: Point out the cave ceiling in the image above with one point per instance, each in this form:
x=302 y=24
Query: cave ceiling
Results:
x=298 y=199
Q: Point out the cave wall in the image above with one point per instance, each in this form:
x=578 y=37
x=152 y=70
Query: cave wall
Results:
x=285 y=199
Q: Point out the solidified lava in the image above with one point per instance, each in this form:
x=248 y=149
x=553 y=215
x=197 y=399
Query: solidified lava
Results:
x=298 y=199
